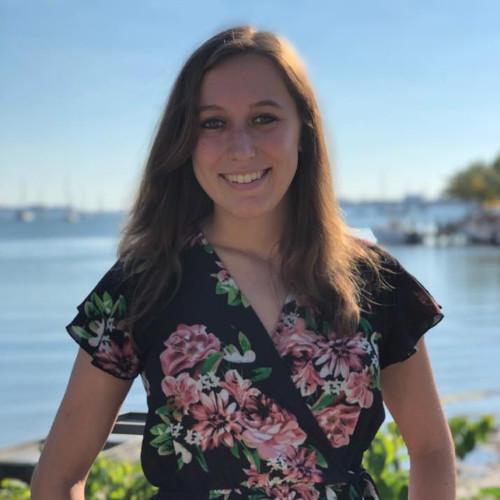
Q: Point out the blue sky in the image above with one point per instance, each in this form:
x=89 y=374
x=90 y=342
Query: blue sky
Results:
x=408 y=90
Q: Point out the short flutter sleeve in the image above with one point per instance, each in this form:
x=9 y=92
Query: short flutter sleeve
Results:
x=409 y=310
x=99 y=328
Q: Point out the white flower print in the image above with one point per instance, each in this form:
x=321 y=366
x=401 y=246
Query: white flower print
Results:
x=175 y=429
x=185 y=454
x=333 y=386
x=105 y=345
x=193 y=437
x=290 y=319
x=236 y=357
x=277 y=463
x=97 y=328
x=208 y=381
x=110 y=324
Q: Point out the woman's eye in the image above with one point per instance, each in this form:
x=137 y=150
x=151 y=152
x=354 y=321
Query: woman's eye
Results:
x=264 y=119
x=212 y=123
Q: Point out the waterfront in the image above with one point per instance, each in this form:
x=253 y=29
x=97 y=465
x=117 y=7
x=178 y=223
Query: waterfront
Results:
x=44 y=276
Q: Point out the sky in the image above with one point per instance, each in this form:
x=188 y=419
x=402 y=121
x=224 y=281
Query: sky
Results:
x=408 y=91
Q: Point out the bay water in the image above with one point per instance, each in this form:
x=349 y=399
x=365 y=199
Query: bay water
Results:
x=48 y=267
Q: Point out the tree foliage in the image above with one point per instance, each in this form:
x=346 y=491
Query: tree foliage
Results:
x=478 y=181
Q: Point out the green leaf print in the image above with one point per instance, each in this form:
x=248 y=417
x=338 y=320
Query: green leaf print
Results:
x=208 y=248
x=352 y=493
x=233 y=298
x=261 y=374
x=218 y=494
x=164 y=413
x=220 y=289
x=180 y=463
x=326 y=327
x=311 y=321
x=244 y=300
x=160 y=430
x=244 y=342
x=80 y=332
x=200 y=458
x=211 y=363
x=166 y=449
x=107 y=302
x=160 y=440
x=95 y=326
x=98 y=303
x=122 y=306
x=365 y=325
x=377 y=380
x=90 y=309
x=256 y=460
x=323 y=401
x=234 y=450
x=249 y=456
x=231 y=349
x=321 y=459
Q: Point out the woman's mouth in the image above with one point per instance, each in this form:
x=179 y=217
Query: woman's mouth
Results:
x=245 y=178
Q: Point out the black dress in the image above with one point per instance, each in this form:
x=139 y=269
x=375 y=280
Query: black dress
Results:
x=234 y=413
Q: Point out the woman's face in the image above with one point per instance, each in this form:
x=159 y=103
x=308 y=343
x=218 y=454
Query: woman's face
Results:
x=249 y=132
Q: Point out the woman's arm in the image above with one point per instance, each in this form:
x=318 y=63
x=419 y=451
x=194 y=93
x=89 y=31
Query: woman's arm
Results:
x=411 y=396
x=82 y=425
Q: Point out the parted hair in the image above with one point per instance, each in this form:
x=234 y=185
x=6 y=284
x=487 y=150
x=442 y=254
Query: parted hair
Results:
x=320 y=259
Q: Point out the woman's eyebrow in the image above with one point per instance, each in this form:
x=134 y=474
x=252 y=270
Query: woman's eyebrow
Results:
x=215 y=107
x=267 y=102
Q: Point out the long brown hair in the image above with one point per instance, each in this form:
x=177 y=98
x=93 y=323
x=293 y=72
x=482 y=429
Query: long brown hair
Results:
x=320 y=259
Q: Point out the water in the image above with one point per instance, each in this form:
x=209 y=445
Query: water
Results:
x=46 y=269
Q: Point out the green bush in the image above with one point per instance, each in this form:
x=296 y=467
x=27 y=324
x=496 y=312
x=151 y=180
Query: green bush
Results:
x=467 y=434
x=117 y=480
x=385 y=458
x=386 y=461
x=108 y=480
x=14 y=489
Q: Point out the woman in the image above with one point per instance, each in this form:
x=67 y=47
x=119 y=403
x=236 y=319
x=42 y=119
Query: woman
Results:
x=265 y=334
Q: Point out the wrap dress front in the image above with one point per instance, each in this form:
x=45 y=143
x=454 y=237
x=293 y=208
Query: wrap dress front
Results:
x=236 y=413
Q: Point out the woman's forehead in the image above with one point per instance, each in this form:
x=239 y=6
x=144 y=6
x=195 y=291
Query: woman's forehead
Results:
x=248 y=78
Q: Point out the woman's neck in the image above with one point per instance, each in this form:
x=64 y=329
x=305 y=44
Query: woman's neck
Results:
x=258 y=237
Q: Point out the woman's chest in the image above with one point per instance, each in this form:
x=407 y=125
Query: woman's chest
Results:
x=221 y=388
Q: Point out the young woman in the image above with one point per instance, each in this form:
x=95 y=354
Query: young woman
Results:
x=267 y=337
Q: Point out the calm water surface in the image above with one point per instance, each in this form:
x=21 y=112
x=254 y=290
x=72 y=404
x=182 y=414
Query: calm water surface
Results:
x=44 y=277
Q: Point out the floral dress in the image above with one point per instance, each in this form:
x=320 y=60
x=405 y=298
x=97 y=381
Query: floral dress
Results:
x=236 y=413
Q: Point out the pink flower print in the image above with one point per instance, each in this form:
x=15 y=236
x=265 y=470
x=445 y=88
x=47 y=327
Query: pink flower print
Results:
x=270 y=428
x=305 y=491
x=292 y=492
x=120 y=360
x=239 y=388
x=181 y=392
x=255 y=479
x=307 y=379
x=301 y=466
x=338 y=423
x=186 y=348
x=340 y=356
x=192 y=240
x=218 y=420
x=224 y=277
x=297 y=342
x=358 y=389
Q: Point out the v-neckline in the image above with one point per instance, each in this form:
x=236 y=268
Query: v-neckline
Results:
x=288 y=298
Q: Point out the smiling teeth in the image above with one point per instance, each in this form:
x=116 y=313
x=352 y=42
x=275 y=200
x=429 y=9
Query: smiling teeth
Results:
x=244 y=179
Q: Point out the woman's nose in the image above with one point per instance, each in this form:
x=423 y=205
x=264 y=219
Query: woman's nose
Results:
x=241 y=145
